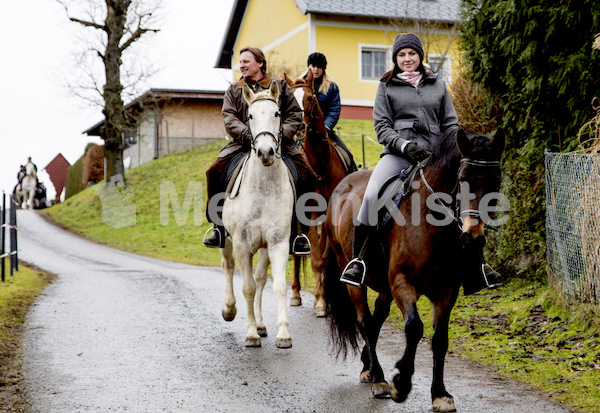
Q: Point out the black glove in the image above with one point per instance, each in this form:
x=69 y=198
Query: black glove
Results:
x=415 y=153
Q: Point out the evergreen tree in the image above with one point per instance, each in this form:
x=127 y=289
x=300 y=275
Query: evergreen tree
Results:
x=534 y=57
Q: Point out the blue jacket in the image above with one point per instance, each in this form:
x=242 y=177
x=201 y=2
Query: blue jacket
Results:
x=331 y=105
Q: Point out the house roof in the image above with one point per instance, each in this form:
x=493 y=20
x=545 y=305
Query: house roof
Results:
x=158 y=95
x=432 y=10
x=445 y=11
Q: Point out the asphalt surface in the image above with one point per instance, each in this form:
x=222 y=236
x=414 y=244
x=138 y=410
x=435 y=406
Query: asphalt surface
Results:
x=118 y=332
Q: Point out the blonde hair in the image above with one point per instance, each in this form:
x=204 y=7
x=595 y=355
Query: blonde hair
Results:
x=325 y=85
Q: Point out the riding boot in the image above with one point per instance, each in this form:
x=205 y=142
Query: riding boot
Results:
x=216 y=238
x=300 y=244
x=477 y=274
x=356 y=270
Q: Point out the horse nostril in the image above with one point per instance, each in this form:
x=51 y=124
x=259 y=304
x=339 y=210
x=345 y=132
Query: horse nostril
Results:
x=271 y=152
x=467 y=241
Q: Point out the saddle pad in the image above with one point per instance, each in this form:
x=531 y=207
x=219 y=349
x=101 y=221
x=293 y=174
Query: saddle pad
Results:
x=235 y=169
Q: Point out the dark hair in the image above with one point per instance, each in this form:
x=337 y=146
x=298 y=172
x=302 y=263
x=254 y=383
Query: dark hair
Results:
x=259 y=56
x=318 y=60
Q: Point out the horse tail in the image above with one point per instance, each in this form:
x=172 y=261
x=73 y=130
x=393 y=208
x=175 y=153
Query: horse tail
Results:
x=341 y=312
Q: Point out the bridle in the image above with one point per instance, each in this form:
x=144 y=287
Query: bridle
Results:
x=276 y=139
x=455 y=214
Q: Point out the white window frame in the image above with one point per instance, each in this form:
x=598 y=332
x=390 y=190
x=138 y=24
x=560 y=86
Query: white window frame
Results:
x=376 y=48
x=446 y=67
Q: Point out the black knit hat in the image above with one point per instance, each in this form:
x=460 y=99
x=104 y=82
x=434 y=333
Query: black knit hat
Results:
x=404 y=40
x=317 y=59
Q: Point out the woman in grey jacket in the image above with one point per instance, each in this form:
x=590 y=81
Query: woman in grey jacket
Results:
x=412 y=108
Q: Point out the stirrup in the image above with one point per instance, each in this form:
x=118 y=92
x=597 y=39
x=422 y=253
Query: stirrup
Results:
x=221 y=237
x=350 y=280
x=486 y=269
x=294 y=244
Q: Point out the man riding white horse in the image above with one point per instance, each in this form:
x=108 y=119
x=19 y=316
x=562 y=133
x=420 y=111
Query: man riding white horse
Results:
x=29 y=184
x=235 y=116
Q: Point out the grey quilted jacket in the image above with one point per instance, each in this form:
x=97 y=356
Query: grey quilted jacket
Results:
x=402 y=112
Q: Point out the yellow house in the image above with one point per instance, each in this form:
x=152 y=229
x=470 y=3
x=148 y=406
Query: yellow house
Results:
x=356 y=37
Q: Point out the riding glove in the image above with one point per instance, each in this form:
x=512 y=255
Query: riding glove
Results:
x=415 y=153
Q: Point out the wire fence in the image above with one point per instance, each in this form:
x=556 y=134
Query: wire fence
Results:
x=573 y=224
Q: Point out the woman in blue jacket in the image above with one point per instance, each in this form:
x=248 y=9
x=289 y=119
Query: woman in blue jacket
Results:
x=328 y=95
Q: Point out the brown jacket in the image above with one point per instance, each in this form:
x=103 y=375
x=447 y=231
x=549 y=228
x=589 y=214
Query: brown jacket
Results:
x=235 y=115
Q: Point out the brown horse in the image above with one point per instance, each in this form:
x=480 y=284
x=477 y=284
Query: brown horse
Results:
x=323 y=158
x=417 y=256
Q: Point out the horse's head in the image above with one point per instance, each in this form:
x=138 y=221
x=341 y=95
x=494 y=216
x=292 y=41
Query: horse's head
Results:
x=264 y=120
x=479 y=179
x=307 y=100
x=30 y=170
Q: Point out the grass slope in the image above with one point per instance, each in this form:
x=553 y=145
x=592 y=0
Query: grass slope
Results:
x=521 y=329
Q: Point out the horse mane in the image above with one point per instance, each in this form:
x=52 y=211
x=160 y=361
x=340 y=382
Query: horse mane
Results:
x=261 y=94
x=444 y=151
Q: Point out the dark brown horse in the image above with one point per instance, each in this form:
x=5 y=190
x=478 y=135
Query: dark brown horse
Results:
x=417 y=256
x=323 y=158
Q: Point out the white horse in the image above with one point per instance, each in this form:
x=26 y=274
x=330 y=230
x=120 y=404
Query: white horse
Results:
x=28 y=185
x=258 y=217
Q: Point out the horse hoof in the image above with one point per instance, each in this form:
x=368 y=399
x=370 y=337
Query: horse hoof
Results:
x=397 y=395
x=444 y=404
x=252 y=342
x=365 y=377
x=229 y=314
x=262 y=331
x=283 y=342
x=321 y=312
x=295 y=301
x=380 y=390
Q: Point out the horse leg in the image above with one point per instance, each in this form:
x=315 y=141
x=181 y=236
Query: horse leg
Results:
x=278 y=254
x=441 y=399
x=249 y=289
x=295 y=299
x=406 y=298
x=372 y=371
x=317 y=264
x=228 y=264
x=260 y=277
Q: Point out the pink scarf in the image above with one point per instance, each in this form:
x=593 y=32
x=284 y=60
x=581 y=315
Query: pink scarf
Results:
x=411 y=77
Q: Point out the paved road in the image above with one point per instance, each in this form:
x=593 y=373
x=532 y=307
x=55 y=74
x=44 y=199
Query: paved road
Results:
x=117 y=332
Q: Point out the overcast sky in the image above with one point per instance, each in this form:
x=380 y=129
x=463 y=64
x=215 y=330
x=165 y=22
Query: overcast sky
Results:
x=38 y=116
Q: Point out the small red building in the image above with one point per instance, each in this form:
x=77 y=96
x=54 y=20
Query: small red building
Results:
x=57 y=170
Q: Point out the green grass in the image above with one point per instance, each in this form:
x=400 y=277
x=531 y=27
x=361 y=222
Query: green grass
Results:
x=521 y=329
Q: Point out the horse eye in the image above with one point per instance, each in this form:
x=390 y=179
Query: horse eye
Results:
x=277 y=114
x=249 y=116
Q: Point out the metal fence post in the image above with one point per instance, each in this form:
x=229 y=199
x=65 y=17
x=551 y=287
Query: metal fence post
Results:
x=14 y=258
x=2 y=232
x=363 y=152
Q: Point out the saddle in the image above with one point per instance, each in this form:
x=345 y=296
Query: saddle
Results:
x=395 y=188
x=344 y=156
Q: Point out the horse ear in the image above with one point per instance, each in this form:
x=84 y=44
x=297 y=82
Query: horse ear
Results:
x=248 y=94
x=463 y=142
x=274 y=90
x=499 y=141
x=287 y=79
x=309 y=79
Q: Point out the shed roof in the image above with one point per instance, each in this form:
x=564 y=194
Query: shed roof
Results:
x=57 y=170
x=157 y=95
x=443 y=11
